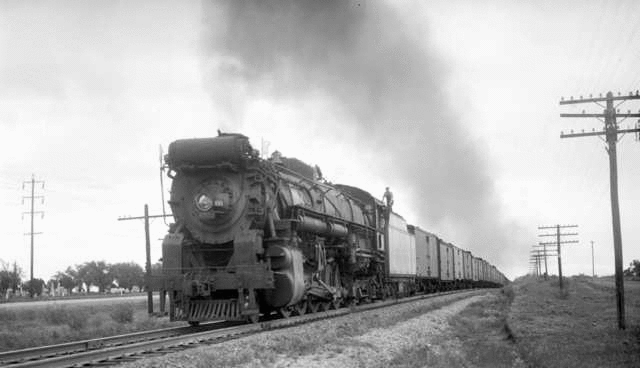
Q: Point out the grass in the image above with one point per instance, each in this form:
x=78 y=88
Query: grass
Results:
x=56 y=323
x=478 y=338
x=576 y=327
x=487 y=340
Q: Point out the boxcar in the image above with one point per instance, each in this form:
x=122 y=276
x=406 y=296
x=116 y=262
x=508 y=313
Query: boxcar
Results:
x=467 y=268
x=401 y=251
x=457 y=265
x=484 y=272
x=446 y=264
x=476 y=270
x=427 y=265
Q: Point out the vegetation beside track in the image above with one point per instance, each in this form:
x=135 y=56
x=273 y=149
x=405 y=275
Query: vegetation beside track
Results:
x=528 y=324
x=54 y=323
x=577 y=327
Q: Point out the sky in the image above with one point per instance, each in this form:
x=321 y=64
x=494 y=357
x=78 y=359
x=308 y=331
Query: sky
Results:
x=452 y=104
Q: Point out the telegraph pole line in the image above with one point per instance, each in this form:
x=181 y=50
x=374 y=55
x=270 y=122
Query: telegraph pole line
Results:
x=31 y=213
x=611 y=132
x=593 y=264
x=546 y=271
x=542 y=253
x=537 y=258
x=534 y=260
x=535 y=263
x=148 y=277
x=558 y=242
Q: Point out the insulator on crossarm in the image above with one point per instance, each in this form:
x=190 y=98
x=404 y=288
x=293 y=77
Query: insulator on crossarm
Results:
x=590 y=95
x=636 y=92
x=581 y=97
x=561 y=98
x=571 y=98
x=618 y=93
x=601 y=95
x=583 y=111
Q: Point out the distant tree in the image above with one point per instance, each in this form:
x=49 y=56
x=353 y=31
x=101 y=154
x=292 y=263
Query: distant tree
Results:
x=156 y=269
x=96 y=273
x=52 y=285
x=127 y=274
x=34 y=287
x=10 y=276
x=634 y=269
x=67 y=279
x=5 y=278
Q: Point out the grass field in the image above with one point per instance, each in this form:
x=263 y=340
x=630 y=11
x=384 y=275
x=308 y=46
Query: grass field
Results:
x=576 y=327
x=36 y=324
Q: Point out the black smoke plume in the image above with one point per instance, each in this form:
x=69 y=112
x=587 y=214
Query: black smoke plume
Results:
x=382 y=73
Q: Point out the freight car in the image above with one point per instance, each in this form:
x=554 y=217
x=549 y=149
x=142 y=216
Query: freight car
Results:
x=254 y=236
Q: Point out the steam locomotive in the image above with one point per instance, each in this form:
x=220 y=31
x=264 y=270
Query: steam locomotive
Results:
x=256 y=236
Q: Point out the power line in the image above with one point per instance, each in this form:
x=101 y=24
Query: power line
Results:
x=542 y=253
x=558 y=243
x=31 y=213
x=148 y=278
x=610 y=130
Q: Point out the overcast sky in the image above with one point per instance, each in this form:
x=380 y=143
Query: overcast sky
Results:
x=453 y=104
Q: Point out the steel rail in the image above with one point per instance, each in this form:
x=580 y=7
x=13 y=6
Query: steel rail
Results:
x=16 y=356
x=125 y=352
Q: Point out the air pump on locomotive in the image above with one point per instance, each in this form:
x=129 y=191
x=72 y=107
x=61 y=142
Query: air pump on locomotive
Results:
x=255 y=235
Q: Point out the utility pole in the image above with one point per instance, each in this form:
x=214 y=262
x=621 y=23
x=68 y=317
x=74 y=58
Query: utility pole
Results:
x=593 y=264
x=533 y=265
x=546 y=270
x=31 y=213
x=536 y=258
x=558 y=243
x=610 y=131
x=148 y=277
x=534 y=262
x=544 y=253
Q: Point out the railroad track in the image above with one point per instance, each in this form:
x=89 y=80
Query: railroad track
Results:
x=124 y=348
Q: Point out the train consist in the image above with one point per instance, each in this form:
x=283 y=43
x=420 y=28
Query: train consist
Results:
x=255 y=236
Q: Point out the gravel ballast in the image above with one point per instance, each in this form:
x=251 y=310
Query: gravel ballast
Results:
x=399 y=335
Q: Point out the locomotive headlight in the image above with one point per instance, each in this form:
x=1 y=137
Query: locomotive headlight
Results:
x=204 y=202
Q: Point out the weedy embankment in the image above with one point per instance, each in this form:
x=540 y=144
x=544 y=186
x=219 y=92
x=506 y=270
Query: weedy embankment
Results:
x=55 y=323
x=576 y=327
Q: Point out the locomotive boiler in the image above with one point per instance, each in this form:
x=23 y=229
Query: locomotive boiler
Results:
x=255 y=235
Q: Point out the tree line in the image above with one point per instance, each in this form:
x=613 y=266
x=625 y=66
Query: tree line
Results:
x=634 y=269
x=101 y=274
